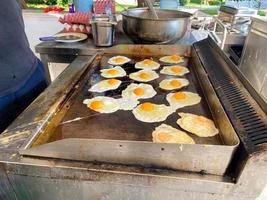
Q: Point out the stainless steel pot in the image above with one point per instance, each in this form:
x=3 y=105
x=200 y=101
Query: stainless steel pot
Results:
x=103 y=29
x=141 y=28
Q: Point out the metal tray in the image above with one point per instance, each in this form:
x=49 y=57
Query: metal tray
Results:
x=78 y=133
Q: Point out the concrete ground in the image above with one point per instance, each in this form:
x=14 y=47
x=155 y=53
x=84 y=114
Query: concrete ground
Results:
x=39 y=24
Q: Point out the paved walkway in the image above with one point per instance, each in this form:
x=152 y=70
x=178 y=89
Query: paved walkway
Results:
x=39 y=24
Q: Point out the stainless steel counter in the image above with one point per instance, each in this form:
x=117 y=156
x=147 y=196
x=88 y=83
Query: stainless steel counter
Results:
x=254 y=60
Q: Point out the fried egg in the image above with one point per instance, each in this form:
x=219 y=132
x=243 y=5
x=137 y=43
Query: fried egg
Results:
x=127 y=104
x=105 y=85
x=113 y=72
x=173 y=59
x=182 y=99
x=173 y=83
x=167 y=134
x=174 y=70
x=147 y=64
x=198 y=125
x=138 y=91
x=102 y=104
x=150 y=112
x=118 y=60
x=144 y=75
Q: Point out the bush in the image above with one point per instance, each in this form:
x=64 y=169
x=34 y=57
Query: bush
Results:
x=215 y=2
x=261 y=13
x=35 y=1
x=210 y=12
x=50 y=2
x=62 y=2
x=184 y=2
x=196 y=1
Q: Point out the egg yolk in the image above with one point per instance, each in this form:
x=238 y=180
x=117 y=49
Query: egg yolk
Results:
x=175 y=57
x=112 y=81
x=176 y=69
x=175 y=83
x=179 y=95
x=96 y=105
x=119 y=59
x=112 y=72
x=138 y=91
x=148 y=62
x=164 y=137
x=144 y=76
x=147 y=106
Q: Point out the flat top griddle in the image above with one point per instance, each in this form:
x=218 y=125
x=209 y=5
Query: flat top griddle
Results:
x=122 y=125
x=78 y=133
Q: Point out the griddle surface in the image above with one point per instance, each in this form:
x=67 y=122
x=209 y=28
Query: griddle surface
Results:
x=122 y=125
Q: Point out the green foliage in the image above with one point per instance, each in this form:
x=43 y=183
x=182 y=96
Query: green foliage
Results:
x=210 y=12
x=184 y=2
x=196 y=1
x=41 y=6
x=35 y=1
x=50 y=2
x=62 y=2
x=215 y=2
x=262 y=12
x=209 y=2
x=215 y=12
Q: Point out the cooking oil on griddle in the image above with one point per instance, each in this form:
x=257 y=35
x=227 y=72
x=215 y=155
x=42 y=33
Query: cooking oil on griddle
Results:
x=81 y=122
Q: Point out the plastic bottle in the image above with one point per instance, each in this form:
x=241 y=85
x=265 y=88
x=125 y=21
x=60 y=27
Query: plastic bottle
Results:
x=169 y=4
x=83 y=5
x=101 y=5
x=71 y=6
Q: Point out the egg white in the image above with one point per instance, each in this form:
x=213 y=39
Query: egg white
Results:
x=166 y=83
x=120 y=70
x=128 y=93
x=168 y=70
x=142 y=65
x=112 y=61
x=103 y=86
x=198 y=125
x=110 y=104
x=135 y=75
x=167 y=59
x=127 y=104
x=172 y=135
x=160 y=113
x=191 y=99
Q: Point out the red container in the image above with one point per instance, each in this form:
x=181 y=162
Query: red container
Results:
x=100 y=6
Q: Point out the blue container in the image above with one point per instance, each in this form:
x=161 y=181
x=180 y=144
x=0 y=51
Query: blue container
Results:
x=169 y=4
x=83 y=5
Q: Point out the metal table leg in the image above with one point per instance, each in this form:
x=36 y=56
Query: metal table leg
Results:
x=44 y=59
x=54 y=58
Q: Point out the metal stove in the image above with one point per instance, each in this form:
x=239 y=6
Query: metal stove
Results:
x=238 y=19
x=36 y=162
x=231 y=26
